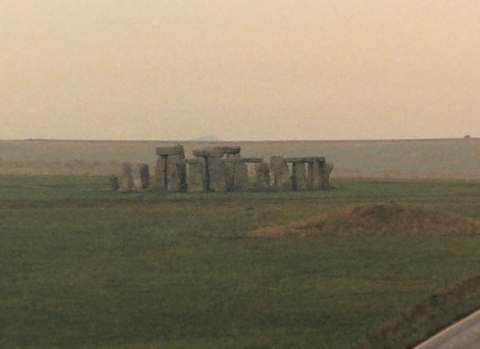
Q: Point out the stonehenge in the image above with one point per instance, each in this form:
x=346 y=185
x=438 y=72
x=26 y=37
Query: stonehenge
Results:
x=223 y=169
x=170 y=171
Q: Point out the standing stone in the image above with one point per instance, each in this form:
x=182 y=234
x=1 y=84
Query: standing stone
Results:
x=262 y=176
x=196 y=180
x=240 y=177
x=176 y=173
x=281 y=174
x=299 y=179
x=310 y=175
x=127 y=178
x=141 y=176
x=326 y=171
x=160 y=173
x=145 y=176
x=230 y=175
x=218 y=173
x=170 y=170
x=114 y=182
x=317 y=174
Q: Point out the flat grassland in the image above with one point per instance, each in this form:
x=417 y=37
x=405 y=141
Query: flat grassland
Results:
x=84 y=267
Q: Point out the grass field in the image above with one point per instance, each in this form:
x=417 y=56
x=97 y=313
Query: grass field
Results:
x=84 y=267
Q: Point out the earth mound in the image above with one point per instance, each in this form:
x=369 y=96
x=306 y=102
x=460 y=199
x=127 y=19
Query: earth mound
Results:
x=377 y=220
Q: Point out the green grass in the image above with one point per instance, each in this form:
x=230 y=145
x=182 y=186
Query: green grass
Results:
x=85 y=267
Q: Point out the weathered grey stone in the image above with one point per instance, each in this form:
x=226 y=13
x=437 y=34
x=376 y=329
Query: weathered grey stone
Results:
x=161 y=173
x=281 y=174
x=327 y=169
x=175 y=150
x=170 y=170
x=230 y=172
x=176 y=173
x=299 y=180
x=262 y=176
x=228 y=150
x=197 y=179
x=127 y=178
x=114 y=182
x=311 y=175
x=305 y=159
x=210 y=152
x=217 y=174
x=244 y=160
x=141 y=176
x=240 y=177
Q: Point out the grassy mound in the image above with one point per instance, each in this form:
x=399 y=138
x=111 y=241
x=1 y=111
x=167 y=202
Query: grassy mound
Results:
x=426 y=318
x=379 y=219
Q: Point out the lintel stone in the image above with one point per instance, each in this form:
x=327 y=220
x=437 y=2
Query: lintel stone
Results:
x=244 y=160
x=175 y=150
x=306 y=159
x=228 y=150
x=212 y=153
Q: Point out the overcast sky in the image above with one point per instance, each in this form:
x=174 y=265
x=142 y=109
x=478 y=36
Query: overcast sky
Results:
x=239 y=69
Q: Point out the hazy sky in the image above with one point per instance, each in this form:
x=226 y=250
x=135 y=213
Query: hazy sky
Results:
x=239 y=69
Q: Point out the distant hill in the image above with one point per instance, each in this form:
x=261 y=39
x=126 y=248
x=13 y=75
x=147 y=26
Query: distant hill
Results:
x=437 y=158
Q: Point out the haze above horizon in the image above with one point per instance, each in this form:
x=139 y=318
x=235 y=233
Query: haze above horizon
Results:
x=239 y=70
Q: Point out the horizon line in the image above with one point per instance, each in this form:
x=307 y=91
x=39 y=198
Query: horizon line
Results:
x=241 y=141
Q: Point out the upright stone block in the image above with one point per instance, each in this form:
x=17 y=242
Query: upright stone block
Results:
x=310 y=176
x=161 y=173
x=196 y=179
x=230 y=175
x=170 y=170
x=262 y=176
x=127 y=178
x=281 y=174
x=299 y=179
x=114 y=183
x=176 y=173
x=317 y=174
x=141 y=176
x=326 y=171
x=240 y=177
x=218 y=174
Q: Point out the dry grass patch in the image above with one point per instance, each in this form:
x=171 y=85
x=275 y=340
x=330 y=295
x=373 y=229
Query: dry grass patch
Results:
x=379 y=219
